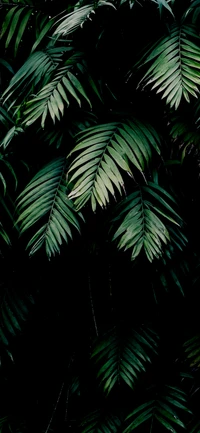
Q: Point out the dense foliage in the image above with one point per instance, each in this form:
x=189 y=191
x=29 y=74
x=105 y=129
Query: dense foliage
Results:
x=99 y=219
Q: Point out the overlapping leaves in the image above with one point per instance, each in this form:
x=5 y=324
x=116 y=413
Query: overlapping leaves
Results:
x=37 y=69
x=45 y=201
x=174 y=70
x=53 y=97
x=17 y=21
x=104 y=151
x=144 y=215
x=161 y=411
x=122 y=355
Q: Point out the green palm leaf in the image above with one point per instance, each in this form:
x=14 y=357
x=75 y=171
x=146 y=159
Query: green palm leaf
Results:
x=17 y=20
x=194 y=9
x=45 y=200
x=15 y=24
x=13 y=132
x=53 y=97
x=104 y=150
x=144 y=214
x=123 y=355
x=36 y=69
x=76 y=19
x=99 y=421
x=174 y=69
x=163 y=4
x=161 y=411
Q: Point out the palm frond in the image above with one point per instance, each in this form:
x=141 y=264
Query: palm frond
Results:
x=15 y=311
x=4 y=162
x=13 y=132
x=17 y=21
x=187 y=133
x=129 y=2
x=123 y=355
x=161 y=411
x=194 y=10
x=76 y=19
x=103 y=151
x=45 y=200
x=147 y=211
x=163 y=4
x=99 y=421
x=174 y=69
x=192 y=351
x=36 y=69
x=47 y=24
x=4 y=235
x=52 y=98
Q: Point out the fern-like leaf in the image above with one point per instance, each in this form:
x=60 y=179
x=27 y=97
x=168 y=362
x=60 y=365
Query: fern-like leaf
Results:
x=161 y=411
x=174 y=69
x=103 y=151
x=99 y=421
x=53 y=97
x=76 y=19
x=123 y=355
x=37 y=69
x=45 y=200
x=13 y=132
x=144 y=225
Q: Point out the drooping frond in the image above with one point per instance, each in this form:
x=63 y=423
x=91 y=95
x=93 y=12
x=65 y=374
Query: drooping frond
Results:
x=17 y=21
x=51 y=99
x=103 y=151
x=123 y=355
x=5 y=164
x=144 y=215
x=14 y=309
x=45 y=201
x=194 y=10
x=13 y=132
x=161 y=411
x=174 y=70
x=99 y=421
x=36 y=69
x=3 y=233
x=76 y=19
x=192 y=351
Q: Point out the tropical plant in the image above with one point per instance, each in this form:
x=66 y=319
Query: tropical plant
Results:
x=99 y=217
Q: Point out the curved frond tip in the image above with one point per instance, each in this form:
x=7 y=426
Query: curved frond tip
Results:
x=144 y=215
x=122 y=355
x=175 y=64
x=104 y=153
x=163 y=408
x=45 y=201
